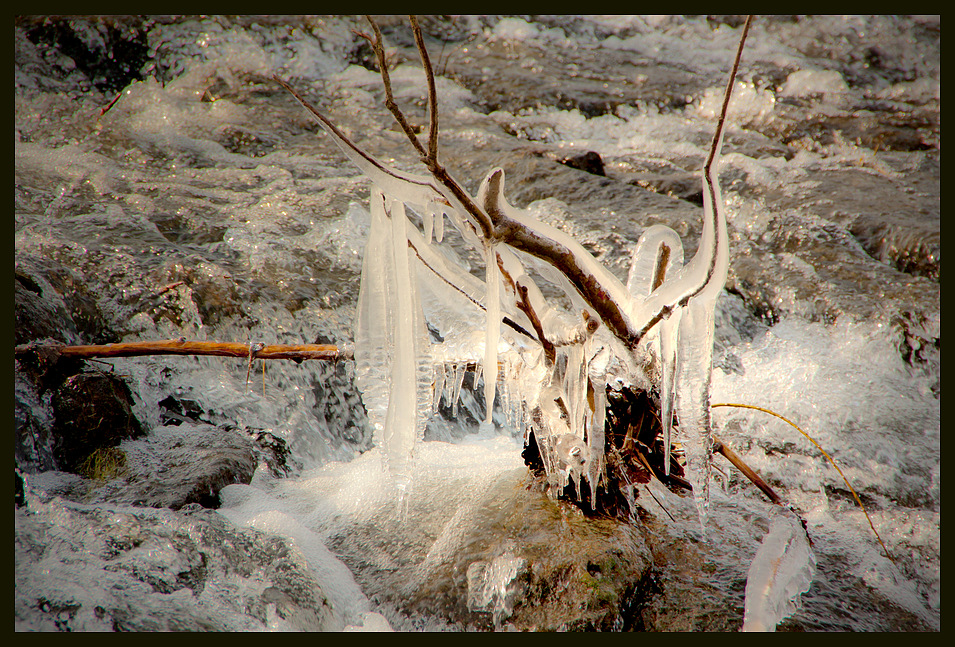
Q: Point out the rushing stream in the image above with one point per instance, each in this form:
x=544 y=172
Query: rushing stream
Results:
x=205 y=203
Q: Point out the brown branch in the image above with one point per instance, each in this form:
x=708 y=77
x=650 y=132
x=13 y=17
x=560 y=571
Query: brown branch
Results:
x=660 y=271
x=379 y=49
x=296 y=353
x=524 y=305
x=507 y=321
x=432 y=93
x=430 y=159
x=720 y=448
x=718 y=134
x=493 y=223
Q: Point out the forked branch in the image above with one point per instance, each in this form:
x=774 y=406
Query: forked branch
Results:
x=379 y=49
x=494 y=220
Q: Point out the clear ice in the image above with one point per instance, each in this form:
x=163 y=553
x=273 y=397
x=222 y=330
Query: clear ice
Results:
x=779 y=574
x=549 y=356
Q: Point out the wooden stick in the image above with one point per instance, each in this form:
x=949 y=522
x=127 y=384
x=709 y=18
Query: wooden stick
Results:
x=748 y=472
x=296 y=353
x=831 y=460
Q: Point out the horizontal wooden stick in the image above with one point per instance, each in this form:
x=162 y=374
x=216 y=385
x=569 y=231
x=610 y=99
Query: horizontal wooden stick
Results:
x=297 y=353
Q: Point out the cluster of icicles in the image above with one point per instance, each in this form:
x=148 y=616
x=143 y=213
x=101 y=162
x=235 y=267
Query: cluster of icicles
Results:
x=424 y=321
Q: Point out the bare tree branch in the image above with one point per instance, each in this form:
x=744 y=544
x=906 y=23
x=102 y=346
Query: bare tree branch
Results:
x=432 y=94
x=378 y=46
x=717 y=219
x=497 y=221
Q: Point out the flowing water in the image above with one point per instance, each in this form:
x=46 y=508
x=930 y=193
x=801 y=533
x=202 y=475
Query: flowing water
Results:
x=204 y=203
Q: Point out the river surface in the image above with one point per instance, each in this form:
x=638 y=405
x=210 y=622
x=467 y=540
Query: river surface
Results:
x=205 y=203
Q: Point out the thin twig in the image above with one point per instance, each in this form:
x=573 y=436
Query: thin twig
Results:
x=824 y=453
x=505 y=320
x=432 y=93
x=524 y=305
x=710 y=184
x=718 y=134
x=378 y=47
x=296 y=353
x=720 y=448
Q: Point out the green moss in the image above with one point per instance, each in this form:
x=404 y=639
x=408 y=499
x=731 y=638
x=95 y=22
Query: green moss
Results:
x=104 y=464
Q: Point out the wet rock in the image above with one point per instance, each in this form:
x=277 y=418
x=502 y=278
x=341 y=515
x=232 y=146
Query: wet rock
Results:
x=109 y=568
x=18 y=498
x=519 y=561
x=179 y=465
x=589 y=162
x=32 y=426
x=338 y=402
x=109 y=53
x=39 y=310
x=268 y=448
x=275 y=453
x=52 y=304
x=91 y=411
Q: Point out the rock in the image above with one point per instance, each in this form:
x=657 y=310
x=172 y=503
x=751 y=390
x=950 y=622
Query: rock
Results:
x=109 y=54
x=32 y=426
x=53 y=301
x=109 y=568
x=535 y=564
x=268 y=448
x=517 y=559
x=180 y=465
x=589 y=162
x=92 y=411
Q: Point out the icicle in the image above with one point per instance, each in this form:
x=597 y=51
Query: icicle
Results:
x=506 y=391
x=402 y=424
x=669 y=367
x=374 y=341
x=493 y=330
x=657 y=257
x=693 y=399
x=456 y=382
x=574 y=456
x=781 y=572
x=595 y=436
x=438 y=387
x=437 y=215
x=428 y=221
x=574 y=386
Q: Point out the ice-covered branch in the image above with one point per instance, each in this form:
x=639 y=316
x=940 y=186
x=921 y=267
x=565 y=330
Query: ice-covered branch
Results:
x=663 y=316
x=707 y=270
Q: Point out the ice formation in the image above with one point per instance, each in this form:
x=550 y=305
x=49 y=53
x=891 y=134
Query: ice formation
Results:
x=544 y=356
x=779 y=574
x=657 y=329
x=491 y=586
x=393 y=365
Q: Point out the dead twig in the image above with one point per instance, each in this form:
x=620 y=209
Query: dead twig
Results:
x=748 y=472
x=377 y=45
x=297 y=353
x=824 y=453
x=432 y=93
